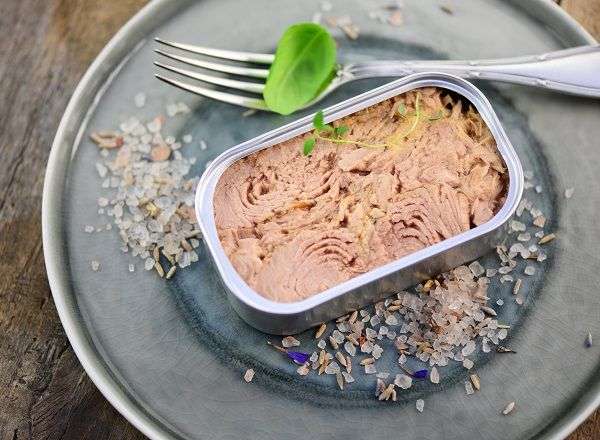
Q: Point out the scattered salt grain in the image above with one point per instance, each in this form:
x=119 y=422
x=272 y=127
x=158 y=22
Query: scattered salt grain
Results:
x=304 y=369
x=403 y=381
x=347 y=377
x=508 y=408
x=500 y=302
x=322 y=344
x=469 y=388
x=203 y=145
x=529 y=270
x=569 y=192
x=370 y=369
x=539 y=221
x=476 y=268
x=519 y=300
x=588 y=340
x=131 y=268
x=434 y=376
x=249 y=375
x=468 y=364
x=350 y=348
x=95 y=264
x=290 y=341
x=525 y=236
x=420 y=404
x=88 y=228
x=140 y=100
x=518 y=226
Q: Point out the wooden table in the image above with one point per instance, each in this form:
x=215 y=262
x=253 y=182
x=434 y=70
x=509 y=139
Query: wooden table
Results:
x=45 y=46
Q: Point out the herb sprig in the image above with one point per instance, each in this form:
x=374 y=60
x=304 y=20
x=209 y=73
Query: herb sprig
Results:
x=332 y=134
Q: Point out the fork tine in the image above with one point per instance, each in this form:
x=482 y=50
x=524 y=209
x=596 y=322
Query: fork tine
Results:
x=225 y=82
x=235 y=70
x=242 y=101
x=261 y=58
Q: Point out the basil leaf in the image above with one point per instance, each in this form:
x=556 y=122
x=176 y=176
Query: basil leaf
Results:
x=309 y=145
x=304 y=64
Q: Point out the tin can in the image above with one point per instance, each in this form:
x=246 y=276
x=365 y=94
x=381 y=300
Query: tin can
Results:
x=290 y=318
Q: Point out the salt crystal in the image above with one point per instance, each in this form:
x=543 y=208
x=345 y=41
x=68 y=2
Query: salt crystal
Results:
x=569 y=192
x=187 y=138
x=391 y=320
x=500 y=302
x=149 y=263
x=468 y=364
x=434 y=376
x=538 y=189
x=140 y=99
x=382 y=375
x=88 y=228
x=420 y=404
x=528 y=174
x=529 y=270
x=332 y=368
x=468 y=348
x=102 y=170
x=469 y=388
x=322 y=344
x=506 y=278
x=350 y=348
x=476 y=268
x=102 y=201
x=377 y=351
x=508 y=408
x=525 y=236
x=539 y=221
x=347 y=377
x=131 y=268
x=502 y=334
x=375 y=320
x=367 y=347
x=403 y=381
x=402 y=359
x=518 y=226
x=249 y=375
x=370 y=369
x=203 y=145
x=541 y=257
x=304 y=369
x=491 y=272
x=95 y=265
x=539 y=234
x=290 y=341
x=519 y=300
x=370 y=333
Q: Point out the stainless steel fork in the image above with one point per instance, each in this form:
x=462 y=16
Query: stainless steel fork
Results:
x=574 y=71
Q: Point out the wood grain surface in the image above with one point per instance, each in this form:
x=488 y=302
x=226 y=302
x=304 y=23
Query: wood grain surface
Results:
x=45 y=47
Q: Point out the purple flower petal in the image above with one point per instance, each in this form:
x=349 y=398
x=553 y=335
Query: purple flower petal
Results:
x=420 y=374
x=298 y=357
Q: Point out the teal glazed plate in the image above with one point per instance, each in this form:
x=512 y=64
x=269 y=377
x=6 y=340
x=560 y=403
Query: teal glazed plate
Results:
x=170 y=355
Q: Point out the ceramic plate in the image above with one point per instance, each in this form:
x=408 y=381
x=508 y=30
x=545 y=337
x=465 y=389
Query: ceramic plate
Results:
x=170 y=355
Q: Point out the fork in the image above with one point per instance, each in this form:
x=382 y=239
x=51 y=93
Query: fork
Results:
x=574 y=71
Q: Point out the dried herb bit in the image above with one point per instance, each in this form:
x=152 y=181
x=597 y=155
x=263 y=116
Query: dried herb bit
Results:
x=437 y=115
x=296 y=356
x=420 y=374
x=503 y=349
x=309 y=145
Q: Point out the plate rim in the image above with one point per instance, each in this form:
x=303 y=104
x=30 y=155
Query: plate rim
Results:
x=96 y=79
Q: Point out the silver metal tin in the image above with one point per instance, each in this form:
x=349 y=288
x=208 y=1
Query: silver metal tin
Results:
x=289 y=318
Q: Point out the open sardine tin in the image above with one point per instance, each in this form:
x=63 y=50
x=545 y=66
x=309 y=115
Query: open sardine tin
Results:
x=290 y=318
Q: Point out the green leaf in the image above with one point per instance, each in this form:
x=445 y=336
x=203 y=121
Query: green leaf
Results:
x=304 y=64
x=319 y=120
x=309 y=145
x=340 y=130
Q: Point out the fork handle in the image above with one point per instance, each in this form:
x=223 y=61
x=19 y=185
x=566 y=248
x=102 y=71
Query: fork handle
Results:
x=574 y=71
